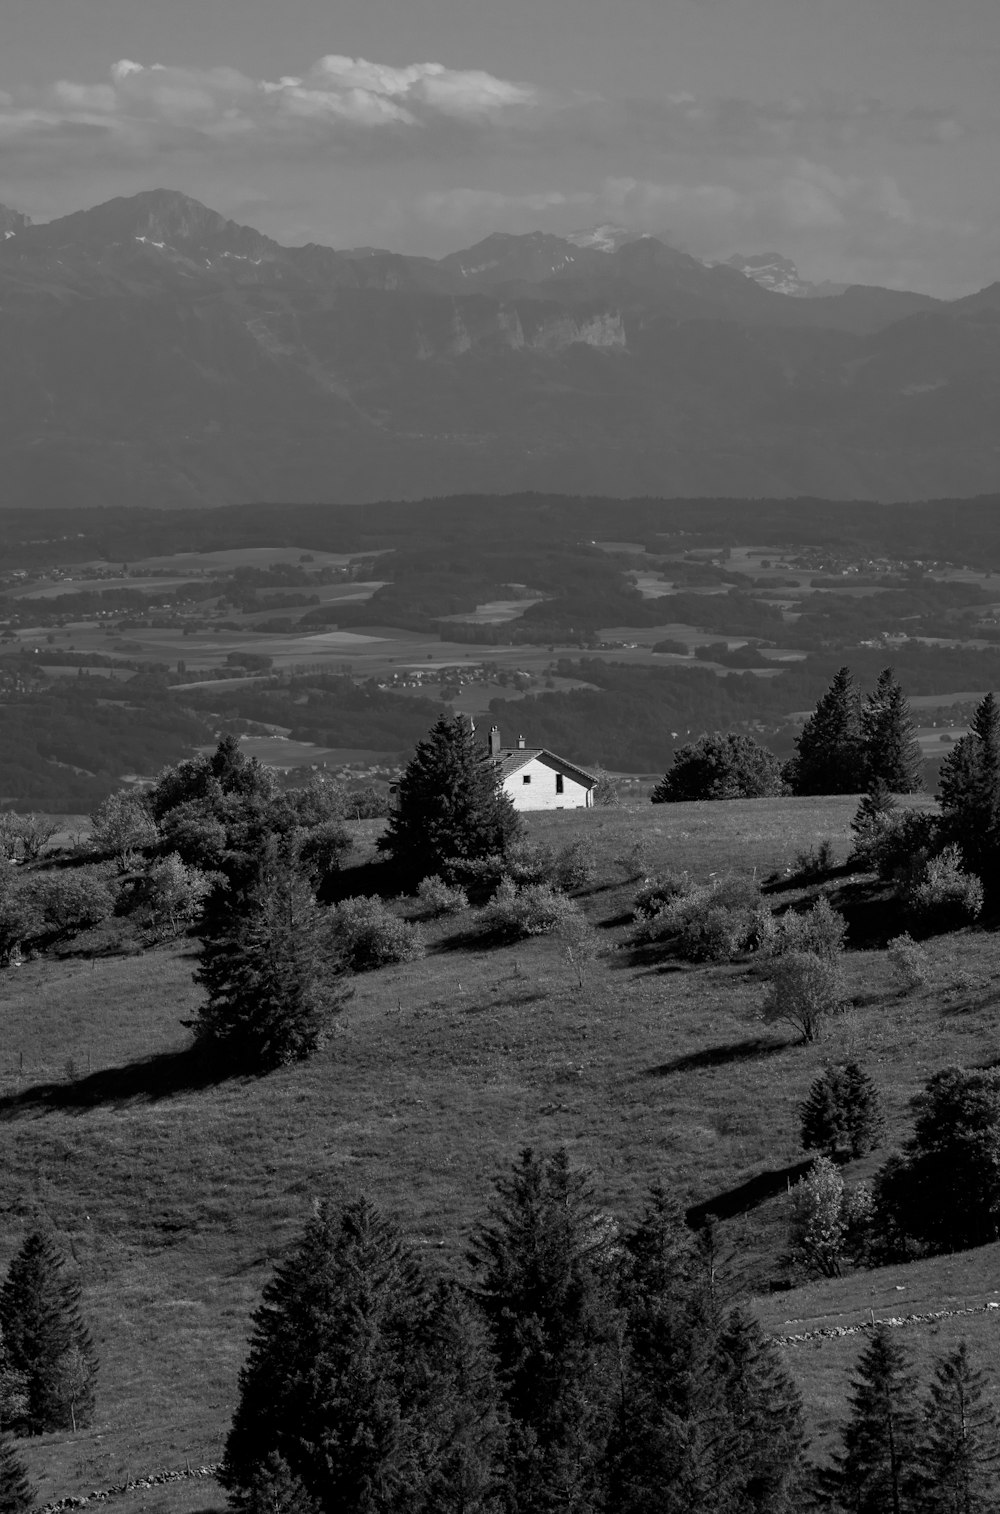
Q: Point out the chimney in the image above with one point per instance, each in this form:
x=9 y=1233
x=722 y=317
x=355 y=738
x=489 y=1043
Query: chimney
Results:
x=494 y=741
x=520 y=743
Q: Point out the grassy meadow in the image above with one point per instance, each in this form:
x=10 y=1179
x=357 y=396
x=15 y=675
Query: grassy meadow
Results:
x=175 y=1196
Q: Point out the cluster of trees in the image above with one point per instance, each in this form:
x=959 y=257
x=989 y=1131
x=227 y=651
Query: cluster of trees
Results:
x=577 y=1364
x=48 y=1366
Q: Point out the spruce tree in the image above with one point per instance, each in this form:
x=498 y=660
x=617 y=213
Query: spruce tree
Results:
x=16 y=1493
x=764 y=1421
x=366 y=1384
x=891 y=753
x=829 y=755
x=842 y=1113
x=449 y=803
x=959 y=1450
x=269 y=972
x=543 y=1261
x=875 y=1470
x=969 y=791
x=47 y=1342
x=872 y=819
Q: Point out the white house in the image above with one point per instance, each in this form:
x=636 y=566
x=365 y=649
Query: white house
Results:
x=537 y=779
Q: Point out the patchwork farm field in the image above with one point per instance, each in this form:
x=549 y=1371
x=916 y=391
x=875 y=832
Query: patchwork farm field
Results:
x=176 y=1195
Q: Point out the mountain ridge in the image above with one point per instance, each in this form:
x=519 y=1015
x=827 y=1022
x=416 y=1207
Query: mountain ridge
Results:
x=154 y=351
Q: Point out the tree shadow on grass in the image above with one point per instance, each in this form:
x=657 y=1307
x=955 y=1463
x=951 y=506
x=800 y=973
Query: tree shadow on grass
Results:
x=749 y=1195
x=146 y=1081
x=719 y=1056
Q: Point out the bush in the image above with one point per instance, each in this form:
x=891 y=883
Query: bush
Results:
x=480 y=877
x=820 y=929
x=944 y=897
x=23 y=838
x=174 y=895
x=804 y=990
x=322 y=849
x=901 y=844
x=710 y=922
x=72 y=901
x=123 y=828
x=818 y=862
x=573 y=866
x=527 y=909
x=529 y=862
x=724 y=765
x=657 y=892
x=20 y=921
x=369 y=935
x=440 y=898
x=909 y=962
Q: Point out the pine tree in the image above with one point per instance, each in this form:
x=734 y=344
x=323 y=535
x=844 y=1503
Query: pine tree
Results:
x=46 y=1339
x=366 y=1384
x=543 y=1260
x=891 y=754
x=269 y=973
x=16 y=1493
x=960 y=1447
x=969 y=791
x=874 y=1472
x=449 y=803
x=829 y=751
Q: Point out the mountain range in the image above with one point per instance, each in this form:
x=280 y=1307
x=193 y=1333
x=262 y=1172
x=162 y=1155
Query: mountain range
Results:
x=154 y=352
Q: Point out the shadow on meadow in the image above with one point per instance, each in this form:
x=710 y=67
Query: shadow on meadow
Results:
x=719 y=1056
x=749 y=1195
x=145 y=1081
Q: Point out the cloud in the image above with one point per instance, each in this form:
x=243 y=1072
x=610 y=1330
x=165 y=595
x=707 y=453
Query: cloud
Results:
x=143 y=109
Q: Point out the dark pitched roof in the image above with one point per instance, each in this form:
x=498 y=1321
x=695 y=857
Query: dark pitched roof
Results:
x=511 y=759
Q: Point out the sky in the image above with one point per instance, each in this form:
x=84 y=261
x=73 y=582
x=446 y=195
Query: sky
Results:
x=859 y=137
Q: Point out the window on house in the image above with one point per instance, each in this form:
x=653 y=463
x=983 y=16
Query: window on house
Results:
x=526 y=778
x=559 y=783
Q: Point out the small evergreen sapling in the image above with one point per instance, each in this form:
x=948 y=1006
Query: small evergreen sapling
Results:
x=46 y=1340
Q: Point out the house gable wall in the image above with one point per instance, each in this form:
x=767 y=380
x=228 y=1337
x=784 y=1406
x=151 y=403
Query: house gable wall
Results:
x=541 y=792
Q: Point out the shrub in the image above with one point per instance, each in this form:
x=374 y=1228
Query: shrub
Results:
x=527 y=909
x=122 y=828
x=605 y=793
x=657 y=892
x=944 y=897
x=440 y=898
x=709 y=922
x=322 y=849
x=573 y=866
x=529 y=862
x=73 y=901
x=902 y=844
x=479 y=876
x=820 y=929
x=909 y=962
x=369 y=935
x=20 y=920
x=23 y=838
x=804 y=990
x=815 y=863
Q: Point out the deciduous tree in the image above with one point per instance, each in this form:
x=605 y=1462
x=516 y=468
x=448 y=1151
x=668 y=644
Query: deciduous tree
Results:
x=725 y=765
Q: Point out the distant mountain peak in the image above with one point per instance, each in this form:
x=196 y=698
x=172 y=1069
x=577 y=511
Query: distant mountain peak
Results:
x=162 y=218
x=605 y=238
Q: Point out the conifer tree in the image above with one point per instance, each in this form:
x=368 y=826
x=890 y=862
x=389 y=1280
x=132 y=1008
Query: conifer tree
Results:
x=16 y=1493
x=875 y=1470
x=872 y=818
x=829 y=755
x=891 y=754
x=269 y=972
x=543 y=1261
x=47 y=1342
x=842 y=1113
x=449 y=803
x=969 y=791
x=764 y=1418
x=366 y=1384
x=959 y=1450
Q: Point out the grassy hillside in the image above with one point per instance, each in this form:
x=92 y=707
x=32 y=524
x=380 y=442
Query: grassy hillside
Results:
x=176 y=1196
